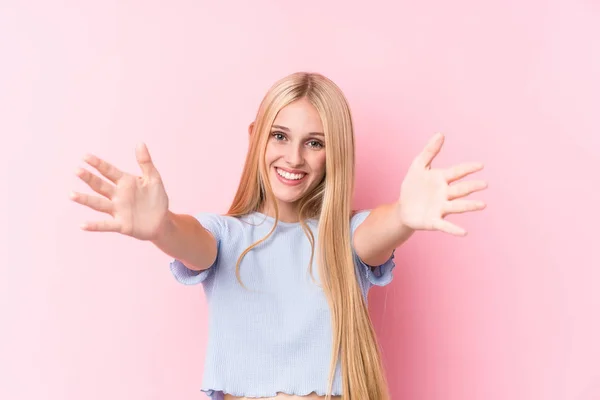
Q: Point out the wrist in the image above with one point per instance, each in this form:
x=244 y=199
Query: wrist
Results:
x=402 y=220
x=167 y=226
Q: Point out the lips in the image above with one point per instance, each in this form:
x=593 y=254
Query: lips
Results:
x=291 y=175
x=288 y=178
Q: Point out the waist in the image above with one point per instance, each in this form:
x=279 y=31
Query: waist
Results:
x=283 y=396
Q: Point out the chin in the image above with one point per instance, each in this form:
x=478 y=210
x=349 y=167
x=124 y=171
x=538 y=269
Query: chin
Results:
x=288 y=197
x=285 y=196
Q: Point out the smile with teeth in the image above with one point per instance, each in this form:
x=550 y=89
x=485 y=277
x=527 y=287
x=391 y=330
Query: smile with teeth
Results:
x=290 y=176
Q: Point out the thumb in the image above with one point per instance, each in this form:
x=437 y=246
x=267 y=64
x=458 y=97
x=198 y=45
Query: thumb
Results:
x=145 y=161
x=431 y=150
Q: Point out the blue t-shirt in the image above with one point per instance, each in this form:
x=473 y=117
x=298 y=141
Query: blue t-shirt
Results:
x=276 y=336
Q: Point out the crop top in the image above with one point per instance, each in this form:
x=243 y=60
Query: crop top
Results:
x=276 y=336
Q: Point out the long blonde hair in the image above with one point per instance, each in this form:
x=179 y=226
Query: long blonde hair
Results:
x=354 y=340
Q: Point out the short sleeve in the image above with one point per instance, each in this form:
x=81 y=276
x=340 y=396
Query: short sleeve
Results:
x=214 y=224
x=379 y=275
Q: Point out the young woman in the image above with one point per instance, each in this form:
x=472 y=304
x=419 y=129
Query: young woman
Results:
x=287 y=269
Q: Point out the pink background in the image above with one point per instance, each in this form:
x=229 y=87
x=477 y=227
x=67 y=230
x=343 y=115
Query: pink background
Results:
x=512 y=311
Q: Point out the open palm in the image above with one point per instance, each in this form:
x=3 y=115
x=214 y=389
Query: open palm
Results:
x=429 y=194
x=138 y=204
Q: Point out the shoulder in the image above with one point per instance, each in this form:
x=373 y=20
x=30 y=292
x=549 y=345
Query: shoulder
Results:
x=358 y=217
x=220 y=225
x=231 y=224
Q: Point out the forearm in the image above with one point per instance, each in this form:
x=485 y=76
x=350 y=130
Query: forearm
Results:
x=183 y=237
x=380 y=233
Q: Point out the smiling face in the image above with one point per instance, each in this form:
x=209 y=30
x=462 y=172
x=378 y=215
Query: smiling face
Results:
x=295 y=155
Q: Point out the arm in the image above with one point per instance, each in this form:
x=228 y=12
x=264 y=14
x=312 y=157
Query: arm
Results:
x=183 y=237
x=139 y=207
x=380 y=233
x=427 y=196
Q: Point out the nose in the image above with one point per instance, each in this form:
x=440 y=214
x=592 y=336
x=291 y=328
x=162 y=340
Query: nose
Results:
x=294 y=156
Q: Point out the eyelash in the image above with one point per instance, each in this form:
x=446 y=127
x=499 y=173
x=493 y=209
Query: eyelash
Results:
x=318 y=145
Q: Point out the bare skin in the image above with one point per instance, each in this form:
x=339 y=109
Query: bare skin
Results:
x=283 y=396
x=296 y=145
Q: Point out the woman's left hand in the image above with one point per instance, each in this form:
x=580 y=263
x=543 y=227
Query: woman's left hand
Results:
x=429 y=194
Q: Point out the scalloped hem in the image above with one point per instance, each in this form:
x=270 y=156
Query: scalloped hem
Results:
x=216 y=394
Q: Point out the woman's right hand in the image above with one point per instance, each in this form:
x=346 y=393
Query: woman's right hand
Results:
x=138 y=204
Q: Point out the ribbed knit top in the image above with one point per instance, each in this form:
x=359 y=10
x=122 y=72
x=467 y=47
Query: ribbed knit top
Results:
x=276 y=336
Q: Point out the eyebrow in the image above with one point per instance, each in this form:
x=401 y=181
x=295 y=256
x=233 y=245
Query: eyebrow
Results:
x=283 y=128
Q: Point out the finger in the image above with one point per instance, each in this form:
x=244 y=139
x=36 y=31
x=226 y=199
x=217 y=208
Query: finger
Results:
x=431 y=150
x=462 y=189
x=461 y=170
x=145 y=161
x=108 y=170
x=97 y=184
x=448 y=227
x=94 y=202
x=101 y=226
x=463 y=206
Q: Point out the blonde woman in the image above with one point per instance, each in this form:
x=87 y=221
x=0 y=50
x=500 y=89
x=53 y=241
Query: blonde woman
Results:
x=287 y=270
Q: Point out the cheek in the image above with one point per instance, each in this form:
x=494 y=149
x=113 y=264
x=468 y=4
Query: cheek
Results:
x=318 y=163
x=271 y=154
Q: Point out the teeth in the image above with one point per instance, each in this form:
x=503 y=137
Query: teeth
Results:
x=287 y=175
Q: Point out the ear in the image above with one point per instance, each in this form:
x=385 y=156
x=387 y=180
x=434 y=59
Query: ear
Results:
x=250 y=128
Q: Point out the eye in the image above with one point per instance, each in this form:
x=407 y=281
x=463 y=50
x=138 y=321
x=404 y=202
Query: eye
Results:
x=315 y=144
x=278 y=135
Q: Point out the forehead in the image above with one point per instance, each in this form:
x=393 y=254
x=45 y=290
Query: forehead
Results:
x=300 y=116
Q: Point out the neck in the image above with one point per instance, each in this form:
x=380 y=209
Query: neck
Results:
x=288 y=212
